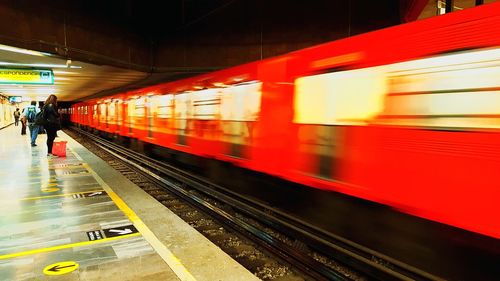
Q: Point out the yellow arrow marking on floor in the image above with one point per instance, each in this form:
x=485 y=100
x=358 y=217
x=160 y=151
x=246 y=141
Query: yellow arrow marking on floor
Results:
x=60 y=268
x=49 y=189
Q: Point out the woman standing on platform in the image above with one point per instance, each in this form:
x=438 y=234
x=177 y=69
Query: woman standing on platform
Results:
x=52 y=122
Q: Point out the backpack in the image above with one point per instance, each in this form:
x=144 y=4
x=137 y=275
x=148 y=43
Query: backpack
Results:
x=40 y=118
x=31 y=115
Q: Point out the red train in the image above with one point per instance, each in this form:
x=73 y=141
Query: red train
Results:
x=407 y=116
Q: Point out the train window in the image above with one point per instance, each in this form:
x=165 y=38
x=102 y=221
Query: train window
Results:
x=458 y=90
x=240 y=107
x=165 y=106
x=112 y=109
x=241 y=102
x=102 y=110
x=340 y=98
x=139 y=108
x=119 y=112
x=182 y=110
x=206 y=104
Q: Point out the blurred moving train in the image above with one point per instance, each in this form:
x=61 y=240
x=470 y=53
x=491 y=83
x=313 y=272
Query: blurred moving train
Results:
x=407 y=116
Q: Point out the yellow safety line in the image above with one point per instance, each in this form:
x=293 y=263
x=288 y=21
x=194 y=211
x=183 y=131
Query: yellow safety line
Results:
x=59 y=195
x=65 y=246
x=173 y=262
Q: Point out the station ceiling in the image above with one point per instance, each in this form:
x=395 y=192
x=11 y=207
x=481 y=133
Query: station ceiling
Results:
x=72 y=79
x=125 y=44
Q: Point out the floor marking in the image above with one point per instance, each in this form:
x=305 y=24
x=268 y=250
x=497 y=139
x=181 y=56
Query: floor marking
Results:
x=60 y=268
x=173 y=262
x=60 y=195
x=120 y=230
x=49 y=189
x=49 y=184
x=94 y=235
x=65 y=246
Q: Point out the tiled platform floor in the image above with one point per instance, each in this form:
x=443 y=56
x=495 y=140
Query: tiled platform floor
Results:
x=48 y=206
x=43 y=205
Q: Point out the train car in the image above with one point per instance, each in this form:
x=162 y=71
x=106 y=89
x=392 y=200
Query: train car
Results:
x=77 y=114
x=110 y=112
x=168 y=115
x=407 y=117
x=92 y=114
x=204 y=121
x=410 y=121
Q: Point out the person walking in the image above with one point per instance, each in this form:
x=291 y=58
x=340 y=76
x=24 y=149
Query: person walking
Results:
x=17 y=114
x=29 y=116
x=51 y=122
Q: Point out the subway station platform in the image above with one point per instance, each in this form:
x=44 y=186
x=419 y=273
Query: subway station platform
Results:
x=76 y=218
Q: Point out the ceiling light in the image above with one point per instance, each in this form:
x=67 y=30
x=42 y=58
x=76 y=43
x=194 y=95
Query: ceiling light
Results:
x=39 y=65
x=63 y=72
x=23 y=51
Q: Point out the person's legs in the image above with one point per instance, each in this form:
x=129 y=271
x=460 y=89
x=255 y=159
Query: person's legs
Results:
x=16 y=121
x=33 y=133
x=30 y=127
x=36 y=130
x=51 y=135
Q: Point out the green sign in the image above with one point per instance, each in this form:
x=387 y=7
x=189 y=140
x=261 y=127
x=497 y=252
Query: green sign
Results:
x=26 y=76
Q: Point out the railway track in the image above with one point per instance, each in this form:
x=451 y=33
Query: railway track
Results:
x=298 y=250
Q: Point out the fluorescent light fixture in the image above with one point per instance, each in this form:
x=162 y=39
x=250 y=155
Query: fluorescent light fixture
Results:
x=23 y=51
x=39 y=65
x=58 y=78
x=63 y=72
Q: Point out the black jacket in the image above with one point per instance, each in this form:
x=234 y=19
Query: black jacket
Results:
x=51 y=115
